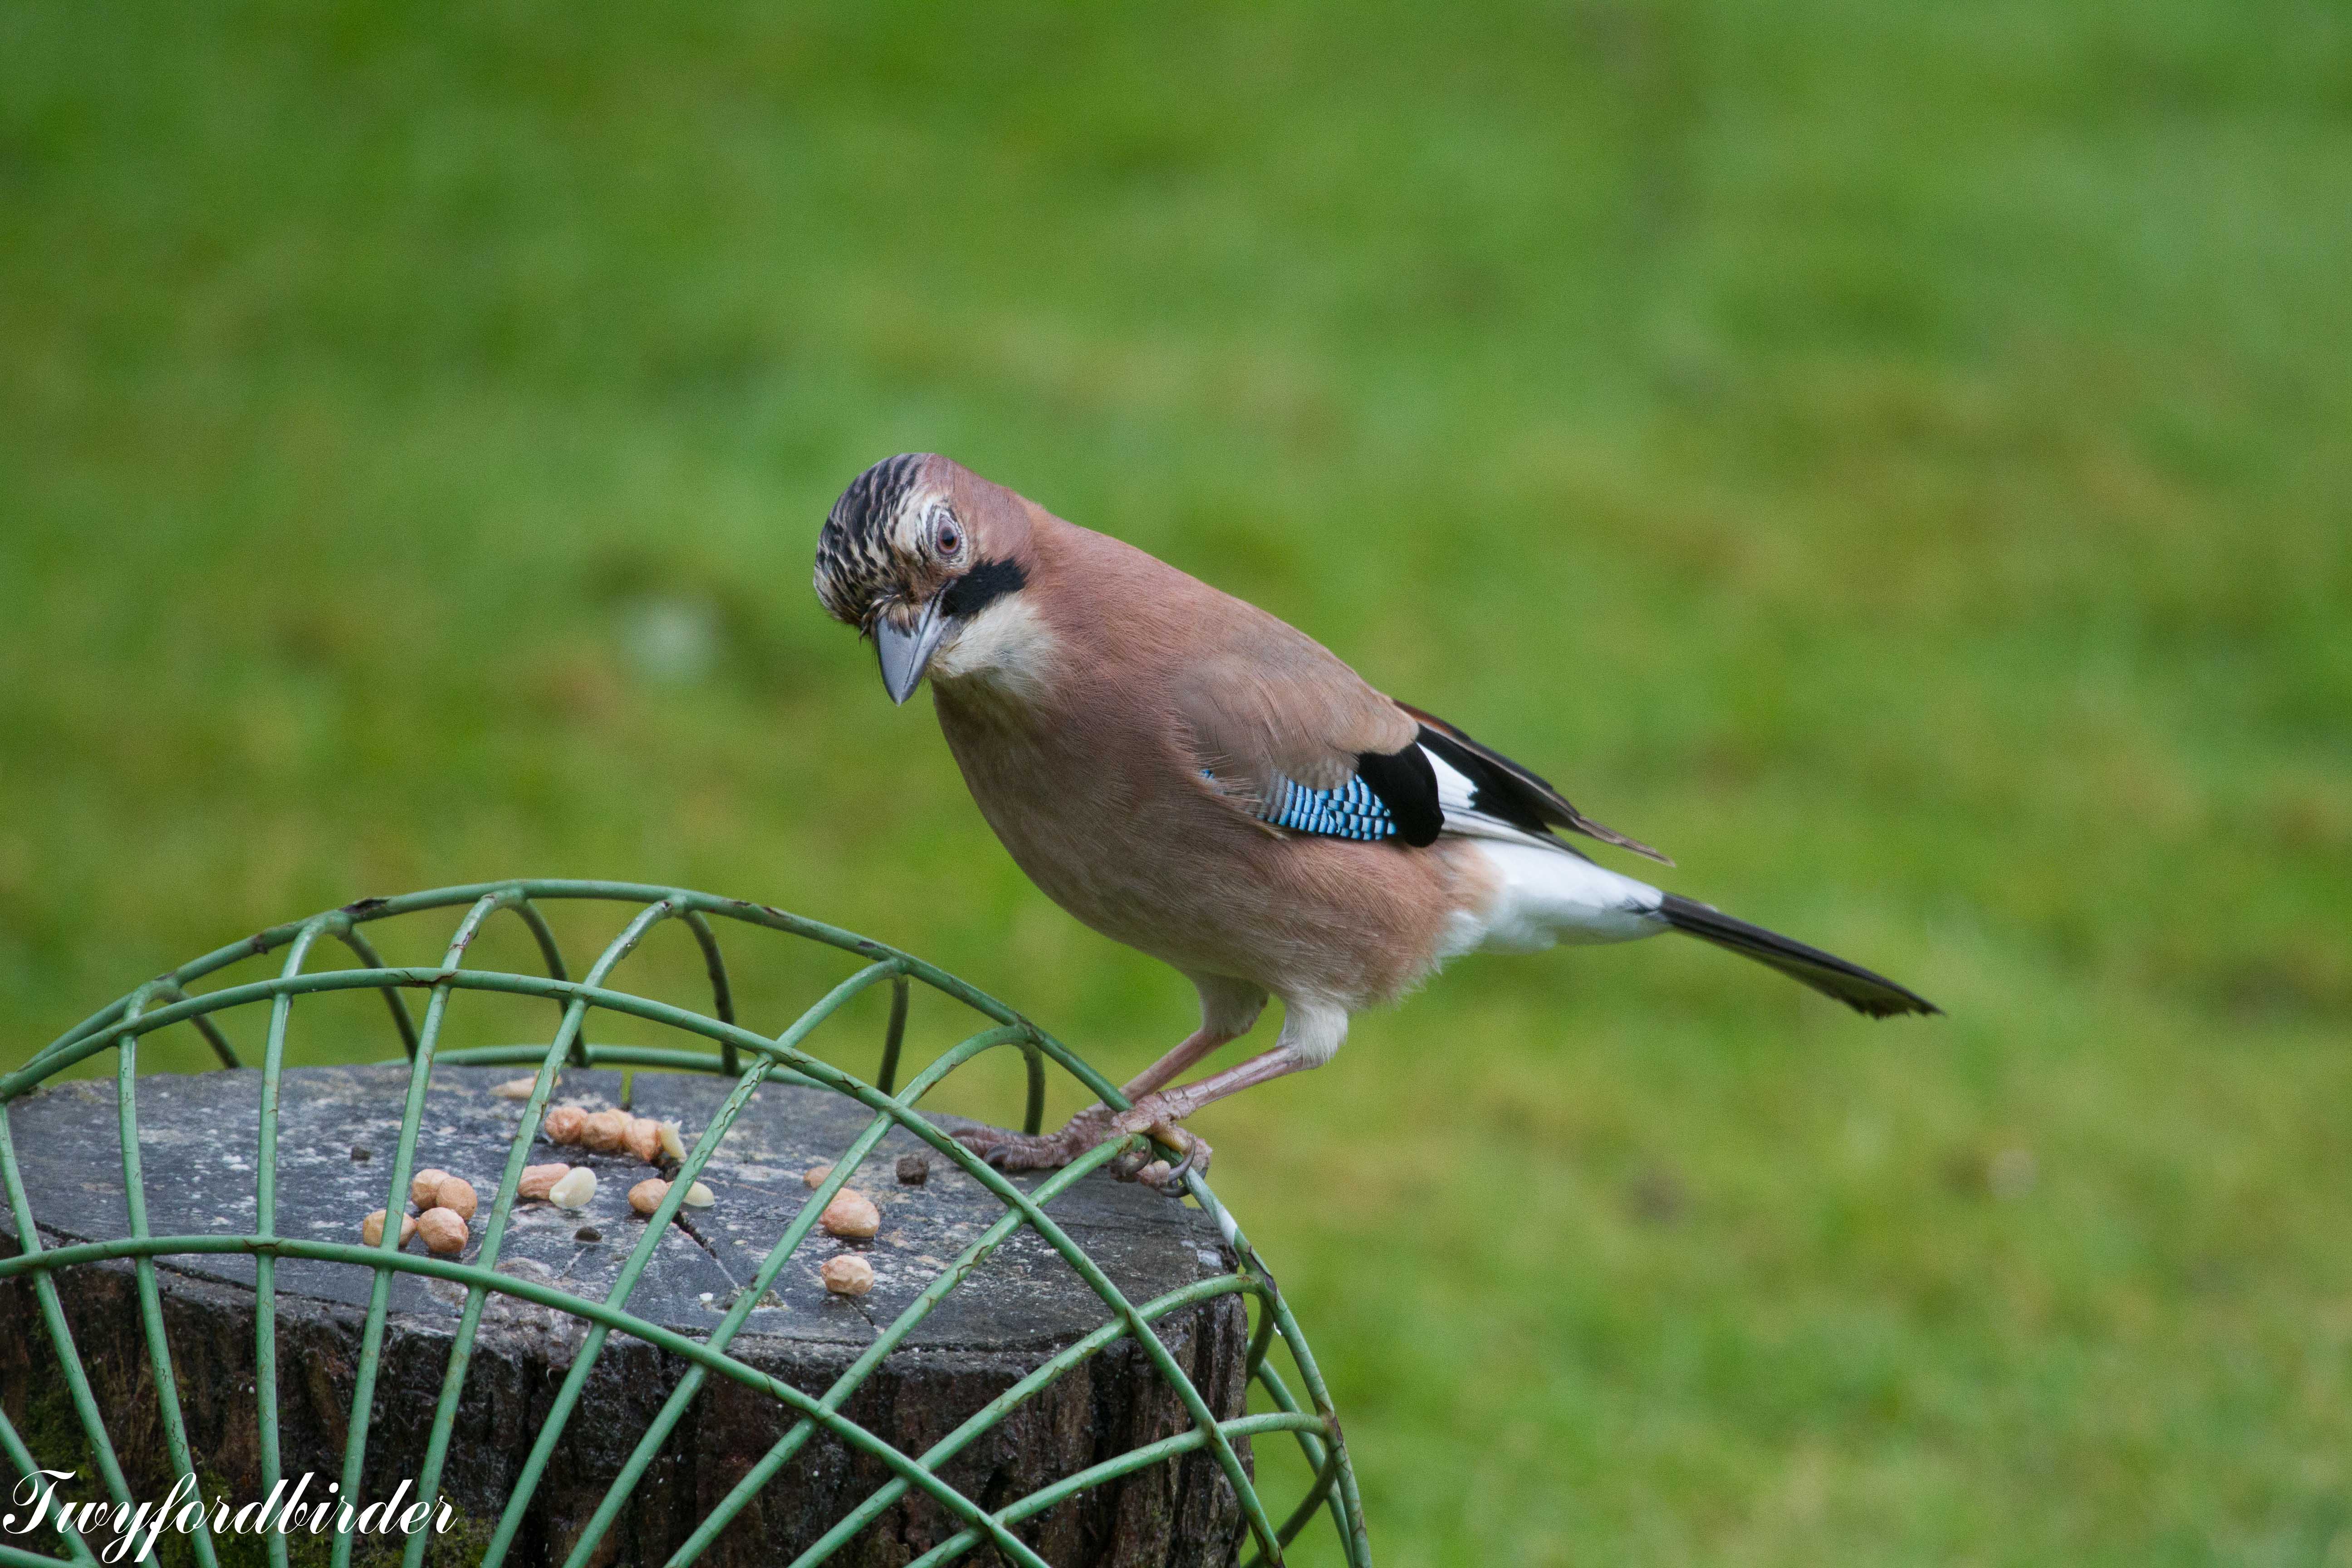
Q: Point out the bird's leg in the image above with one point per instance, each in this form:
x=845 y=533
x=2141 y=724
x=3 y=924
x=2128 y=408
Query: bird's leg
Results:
x=1228 y=1009
x=1197 y=1043
x=1051 y=1150
x=1159 y=1112
x=1311 y=1035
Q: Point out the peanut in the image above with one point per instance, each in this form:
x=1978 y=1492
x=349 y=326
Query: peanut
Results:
x=456 y=1195
x=643 y=1138
x=537 y=1181
x=606 y=1131
x=443 y=1230
x=515 y=1089
x=815 y=1174
x=372 y=1228
x=672 y=1144
x=563 y=1124
x=698 y=1196
x=647 y=1195
x=422 y=1185
x=851 y=1214
x=846 y=1275
x=575 y=1190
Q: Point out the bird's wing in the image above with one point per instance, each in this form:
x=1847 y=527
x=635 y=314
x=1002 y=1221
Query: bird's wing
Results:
x=1294 y=738
x=1285 y=722
x=1491 y=787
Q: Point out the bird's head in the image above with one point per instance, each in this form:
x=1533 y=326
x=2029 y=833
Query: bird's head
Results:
x=915 y=552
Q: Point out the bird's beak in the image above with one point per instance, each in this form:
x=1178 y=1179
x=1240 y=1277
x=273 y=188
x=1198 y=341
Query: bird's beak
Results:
x=907 y=654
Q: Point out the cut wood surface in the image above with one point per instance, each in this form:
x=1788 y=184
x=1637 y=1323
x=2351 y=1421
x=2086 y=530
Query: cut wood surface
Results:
x=339 y=1130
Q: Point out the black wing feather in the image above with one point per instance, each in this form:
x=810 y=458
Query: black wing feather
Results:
x=1407 y=785
x=1511 y=792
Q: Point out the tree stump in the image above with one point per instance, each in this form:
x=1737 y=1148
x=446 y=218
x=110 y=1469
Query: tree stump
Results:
x=198 y=1140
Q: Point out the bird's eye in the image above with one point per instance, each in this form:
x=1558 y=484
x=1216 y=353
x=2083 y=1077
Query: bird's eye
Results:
x=948 y=534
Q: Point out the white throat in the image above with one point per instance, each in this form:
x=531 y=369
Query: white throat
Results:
x=1008 y=645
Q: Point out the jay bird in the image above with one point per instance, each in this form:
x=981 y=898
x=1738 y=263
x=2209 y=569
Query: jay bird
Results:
x=1194 y=778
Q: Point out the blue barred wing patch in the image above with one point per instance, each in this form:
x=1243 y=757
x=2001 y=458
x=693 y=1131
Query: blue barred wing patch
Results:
x=1351 y=811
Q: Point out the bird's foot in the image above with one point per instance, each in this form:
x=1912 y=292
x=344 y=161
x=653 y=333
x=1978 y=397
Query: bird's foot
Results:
x=1153 y=1114
x=1039 y=1151
x=1092 y=1126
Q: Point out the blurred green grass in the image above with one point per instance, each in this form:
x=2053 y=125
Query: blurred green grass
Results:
x=1895 y=457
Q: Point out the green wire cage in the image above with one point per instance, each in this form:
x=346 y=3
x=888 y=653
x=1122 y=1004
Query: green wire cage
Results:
x=709 y=1043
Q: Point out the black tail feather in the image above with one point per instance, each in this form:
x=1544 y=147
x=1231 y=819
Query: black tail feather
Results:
x=1830 y=976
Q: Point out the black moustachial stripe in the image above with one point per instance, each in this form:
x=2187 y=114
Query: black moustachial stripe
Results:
x=981 y=587
x=1407 y=785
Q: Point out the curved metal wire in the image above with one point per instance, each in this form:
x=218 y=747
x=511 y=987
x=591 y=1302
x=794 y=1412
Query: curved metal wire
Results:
x=362 y=950
x=151 y=1296
x=749 y=1059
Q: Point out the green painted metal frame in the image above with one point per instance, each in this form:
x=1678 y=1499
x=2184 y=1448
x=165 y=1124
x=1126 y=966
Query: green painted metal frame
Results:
x=749 y=1059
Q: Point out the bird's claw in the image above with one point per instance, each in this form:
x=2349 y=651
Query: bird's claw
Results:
x=1150 y=1115
x=1016 y=1152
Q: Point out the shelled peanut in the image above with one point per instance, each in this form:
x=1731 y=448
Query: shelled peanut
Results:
x=445 y=1204
x=851 y=1215
x=537 y=1181
x=642 y=1138
x=614 y=1132
x=455 y=1193
x=372 y=1228
x=846 y=1275
x=575 y=1189
x=443 y=1230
